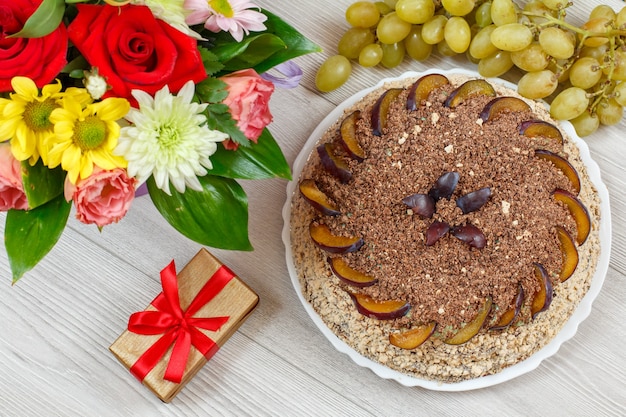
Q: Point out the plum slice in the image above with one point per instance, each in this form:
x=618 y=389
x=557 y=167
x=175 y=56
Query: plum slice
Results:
x=468 y=331
x=563 y=164
x=436 y=231
x=569 y=252
x=470 y=234
x=534 y=128
x=347 y=133
x=349 y=275
x=421 y=204
x=380 y=110
x=334 y=164
x=509 y=316
x=444 y=186
x=501 y=105
x=421 y=89
x=473 y=201
x=469 y=89
x=410 y=339
x=326 y=240
x=381 y=310
x=543 y=297
x=579 y=213
x=316 y=198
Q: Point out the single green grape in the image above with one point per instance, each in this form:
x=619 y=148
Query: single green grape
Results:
x=597 y=25
x=444 y=49
x=457 y=34
x=495 y=65
x=383 y=8
x=537 y=84
x=391 y=29
x=538 y=10
x=603 y=11
x=483 y=15
x=391 y=3
x=554 y=4
x=609 y=112
x=597 y=52
x=432 y=30
x=620 y=93
x=569 y=103
x=531 y=58
x=585 y=124
x=333 y=73
x=458 y=7
x=620 y=18
x=619 y=66
x=585 y=73
x=512 y=37
x=556 y=42
x=353 y=41
x=415 y=11
x=393 y=54
x=481 y=46
x=415 y=46
x=371 y=55
x=503 y=12
x=362 y=14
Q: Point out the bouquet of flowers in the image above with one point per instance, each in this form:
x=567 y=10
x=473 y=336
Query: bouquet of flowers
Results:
x=100 y=97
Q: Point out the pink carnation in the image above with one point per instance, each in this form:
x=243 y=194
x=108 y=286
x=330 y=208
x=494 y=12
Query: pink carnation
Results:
x=11 y=188
x=102 y=198
x=248 y=100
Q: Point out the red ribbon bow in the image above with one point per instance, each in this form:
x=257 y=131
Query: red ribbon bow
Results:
x=178 y=327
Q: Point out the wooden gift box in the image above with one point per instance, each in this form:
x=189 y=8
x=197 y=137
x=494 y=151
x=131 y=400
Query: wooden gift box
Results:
x=236 y=300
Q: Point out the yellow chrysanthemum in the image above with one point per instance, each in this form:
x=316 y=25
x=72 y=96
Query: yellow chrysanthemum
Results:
x=24 y=118
x=86 y=135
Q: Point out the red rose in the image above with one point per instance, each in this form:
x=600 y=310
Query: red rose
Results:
x=39 y=59
x=133 y=50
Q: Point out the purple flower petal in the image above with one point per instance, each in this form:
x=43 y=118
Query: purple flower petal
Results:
x=292 y=74
x=141 y=190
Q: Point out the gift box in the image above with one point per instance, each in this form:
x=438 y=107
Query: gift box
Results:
x=185 y=325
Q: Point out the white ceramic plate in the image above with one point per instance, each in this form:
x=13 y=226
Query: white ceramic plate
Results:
x=570 y=328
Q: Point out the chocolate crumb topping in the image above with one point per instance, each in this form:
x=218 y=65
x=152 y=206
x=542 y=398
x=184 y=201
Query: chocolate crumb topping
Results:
x=449 y=281
x=446 y=282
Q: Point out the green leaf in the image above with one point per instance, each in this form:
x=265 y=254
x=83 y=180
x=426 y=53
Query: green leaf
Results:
x=219 y=118
x=211 y=90
x=30 y=235
x=41 y=184
x=251 y=51
x=210 y=61
x=43 y=21
x=261 y=160
x=297 y=44
x=216 y=216
x=279 y=43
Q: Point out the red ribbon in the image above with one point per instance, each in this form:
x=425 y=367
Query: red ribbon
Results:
x=178 y=327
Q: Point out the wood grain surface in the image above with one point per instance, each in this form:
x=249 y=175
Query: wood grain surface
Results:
x=56 y=324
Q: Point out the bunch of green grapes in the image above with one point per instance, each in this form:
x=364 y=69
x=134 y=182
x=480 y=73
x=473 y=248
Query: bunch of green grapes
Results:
x=581 y=70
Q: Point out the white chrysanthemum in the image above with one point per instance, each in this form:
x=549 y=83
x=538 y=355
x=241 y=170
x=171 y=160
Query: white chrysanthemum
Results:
x=168 y=139
x=172 y=12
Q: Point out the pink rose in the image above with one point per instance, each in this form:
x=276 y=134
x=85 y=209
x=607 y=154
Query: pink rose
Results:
x=102 y=198
x=11 y=188
x=248 y=100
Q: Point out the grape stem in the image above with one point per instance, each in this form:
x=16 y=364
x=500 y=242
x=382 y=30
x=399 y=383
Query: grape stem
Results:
x=552 y=21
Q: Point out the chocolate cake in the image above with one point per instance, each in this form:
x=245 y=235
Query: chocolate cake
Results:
x=445 y=227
